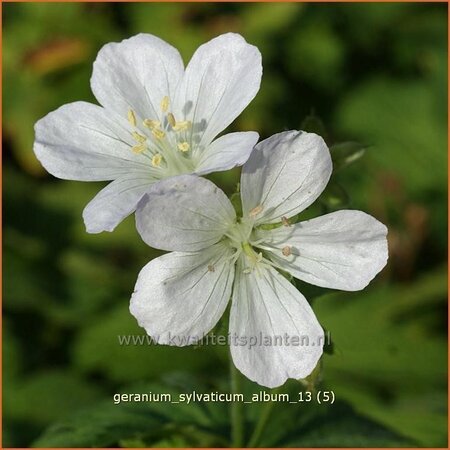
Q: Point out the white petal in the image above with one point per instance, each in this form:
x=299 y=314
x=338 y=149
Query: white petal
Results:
x=227 y=152
x=221 y=79
x=136 y=74
x=81 y=141
x=342 y=250
x=266 y=307
x=184 y=213
x=115 y=202
x=284 y=175
x=179 y=297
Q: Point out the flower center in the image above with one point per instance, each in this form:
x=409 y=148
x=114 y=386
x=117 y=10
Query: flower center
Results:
x=239 y=233
x=164 y=140
x=240 y=236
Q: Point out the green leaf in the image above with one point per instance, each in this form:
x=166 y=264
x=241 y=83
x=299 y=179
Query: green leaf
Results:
x=339 y=425
x=389 y=362
x=404 y=123
x=61 y=392
x=103 y=426
x=133 y=423
x=97 y=349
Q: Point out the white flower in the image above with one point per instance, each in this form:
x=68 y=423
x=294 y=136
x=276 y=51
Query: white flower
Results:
x=217 y=256
x=156 y=120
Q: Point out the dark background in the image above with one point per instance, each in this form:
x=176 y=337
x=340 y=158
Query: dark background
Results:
x=371 y=73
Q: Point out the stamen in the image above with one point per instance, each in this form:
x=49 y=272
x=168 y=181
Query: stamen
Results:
x=171 y=119
x=165 y=104
x=131 y=117
x=181 y=126
x=139 y=148
x=183 y=147
x=211 y=268
x=159 y=134
x=152 y=124
x=156 y=160
x=286 y=250
x=138 y=137
x=285 y=221
x=255 y=211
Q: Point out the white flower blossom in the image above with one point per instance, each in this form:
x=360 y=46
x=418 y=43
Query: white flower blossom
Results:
x=217 y=256
x=156 y=120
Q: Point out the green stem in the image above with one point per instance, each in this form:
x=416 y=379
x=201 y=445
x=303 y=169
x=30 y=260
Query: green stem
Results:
x=263 y=418
x=237 y=413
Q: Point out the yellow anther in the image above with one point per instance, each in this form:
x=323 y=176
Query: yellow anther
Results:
x=139 y=148
x=149 y=123
x=183 y=147
x=181 y=126
x=165 y=104
x=285 y=221
x=138 y=137
x=255 y=211
x=286 y=250
x=131 y=117
x=156 y=160
x=159 y=134
x=171 y=119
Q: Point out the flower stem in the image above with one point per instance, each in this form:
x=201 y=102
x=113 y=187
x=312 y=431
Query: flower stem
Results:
x=237 y=413
x=259 y=428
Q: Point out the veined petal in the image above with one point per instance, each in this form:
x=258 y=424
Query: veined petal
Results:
x=284 y=175
x=184 y=213
x=115 y=202
x=270 y=313
x=179 y=297
x=136 y=74
x=342 y=250
x=81 y=141
x=226 y=152
x=221 y=79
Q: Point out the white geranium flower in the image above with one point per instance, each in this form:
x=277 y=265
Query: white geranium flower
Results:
x=217 y=256
x=156 y=120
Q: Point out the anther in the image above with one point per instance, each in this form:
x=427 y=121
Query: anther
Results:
x=286 y=250
x=285 y=221
x=183 y=147
x=156 y=160
x=159 y=134
x=139 y=148
x=138 y=137
x=181 y=126
x=165 y=104
x=171 y=119
x=152 y=124
x=211 y=268
x=255 y=211
x=131 y=117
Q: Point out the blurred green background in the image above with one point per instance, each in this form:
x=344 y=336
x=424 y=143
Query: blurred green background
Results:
x=371 y=73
